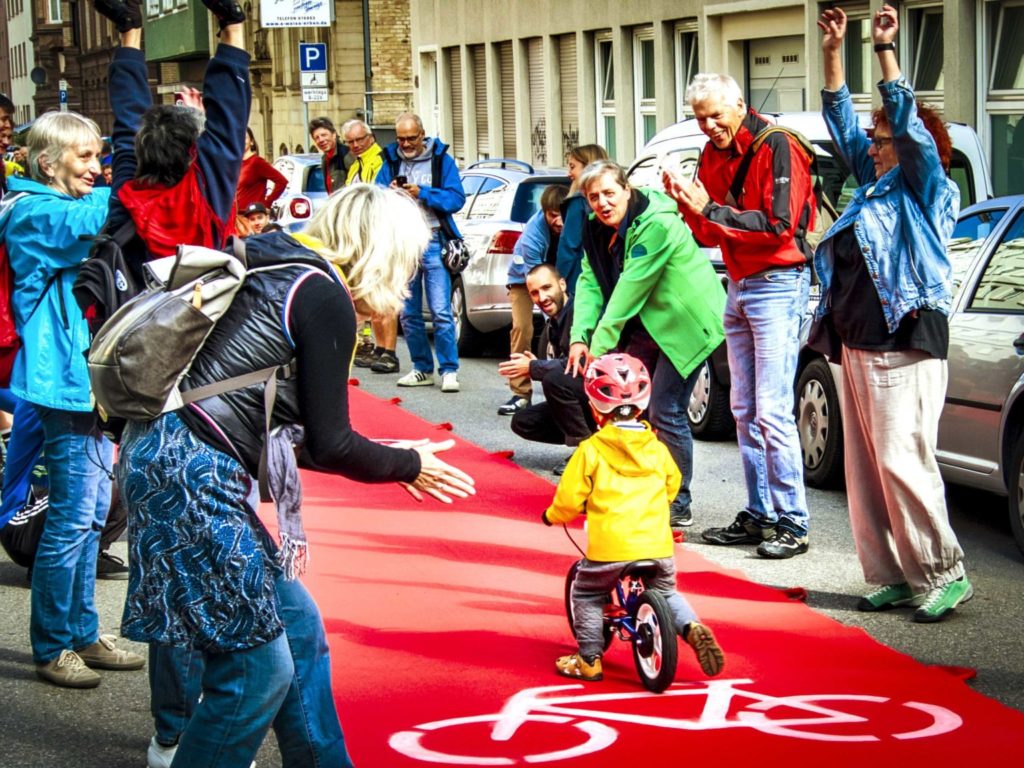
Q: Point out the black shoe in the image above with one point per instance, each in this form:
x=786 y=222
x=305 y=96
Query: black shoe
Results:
x=745 y=529
x=386 y=362
x=782 y=545
x=365 y=356
x=559 y=469
x=126 y=14
x=679 y=516
x=515 y=403
x=226 y=11
x=110 y=567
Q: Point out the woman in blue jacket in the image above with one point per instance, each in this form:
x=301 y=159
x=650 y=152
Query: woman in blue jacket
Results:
x=886 y=294
x=41 y=223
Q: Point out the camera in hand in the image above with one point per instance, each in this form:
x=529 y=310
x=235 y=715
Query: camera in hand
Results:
x=401 y=180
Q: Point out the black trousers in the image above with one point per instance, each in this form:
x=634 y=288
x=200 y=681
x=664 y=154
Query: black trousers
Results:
x=563 y=418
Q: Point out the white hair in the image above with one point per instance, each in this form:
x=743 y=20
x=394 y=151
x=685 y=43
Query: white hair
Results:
x=709 y=85
x=377 y=237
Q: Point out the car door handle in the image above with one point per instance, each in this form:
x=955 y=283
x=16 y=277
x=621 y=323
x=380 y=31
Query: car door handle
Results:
x=1018 y=343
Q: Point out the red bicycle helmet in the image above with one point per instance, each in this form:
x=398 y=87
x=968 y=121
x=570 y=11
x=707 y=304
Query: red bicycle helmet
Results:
x=615 y=380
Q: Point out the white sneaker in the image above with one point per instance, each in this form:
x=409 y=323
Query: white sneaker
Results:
x=449 y=382
x=417 y=379
x=159 y=756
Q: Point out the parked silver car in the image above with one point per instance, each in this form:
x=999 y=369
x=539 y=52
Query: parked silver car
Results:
x=305 y=192
x=501 y=196
x=981 y=429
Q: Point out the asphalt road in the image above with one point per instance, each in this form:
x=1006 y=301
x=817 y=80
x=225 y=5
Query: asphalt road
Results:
x=110 y=726
x=987 y=633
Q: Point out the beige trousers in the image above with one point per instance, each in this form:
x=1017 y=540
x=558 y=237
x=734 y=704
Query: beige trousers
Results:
x=522 y=335
x=891 y=407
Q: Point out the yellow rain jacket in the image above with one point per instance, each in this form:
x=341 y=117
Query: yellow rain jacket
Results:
x=624 y=478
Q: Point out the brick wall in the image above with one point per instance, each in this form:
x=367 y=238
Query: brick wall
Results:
x=391 y=60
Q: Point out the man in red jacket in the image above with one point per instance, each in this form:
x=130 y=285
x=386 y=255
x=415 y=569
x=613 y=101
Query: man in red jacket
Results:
x=761 y=233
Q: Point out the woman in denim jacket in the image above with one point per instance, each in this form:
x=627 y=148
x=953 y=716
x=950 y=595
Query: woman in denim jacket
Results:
x=886 y=294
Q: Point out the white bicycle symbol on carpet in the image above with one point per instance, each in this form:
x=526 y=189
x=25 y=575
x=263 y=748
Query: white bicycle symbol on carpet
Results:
x=804 y=716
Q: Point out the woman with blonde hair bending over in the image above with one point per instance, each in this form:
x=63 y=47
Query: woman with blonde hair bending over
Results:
x=204 y=571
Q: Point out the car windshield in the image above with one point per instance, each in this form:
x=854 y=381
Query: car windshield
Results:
x=968 y=237
x=315 y=179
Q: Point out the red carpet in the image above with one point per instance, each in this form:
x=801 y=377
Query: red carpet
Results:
x=442 y=617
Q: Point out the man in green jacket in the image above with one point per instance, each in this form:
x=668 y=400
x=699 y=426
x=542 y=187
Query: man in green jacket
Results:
x=646 y=289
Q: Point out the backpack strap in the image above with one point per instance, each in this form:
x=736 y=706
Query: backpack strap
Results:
x=265 y=376
x=736 y=188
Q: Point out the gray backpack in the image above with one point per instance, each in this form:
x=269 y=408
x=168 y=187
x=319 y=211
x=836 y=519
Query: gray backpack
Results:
x=140 y=355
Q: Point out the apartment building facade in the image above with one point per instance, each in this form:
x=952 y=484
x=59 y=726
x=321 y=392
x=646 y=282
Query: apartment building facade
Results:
x=529 y=79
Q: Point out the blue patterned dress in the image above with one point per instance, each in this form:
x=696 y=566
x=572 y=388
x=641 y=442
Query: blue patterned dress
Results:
x=201 y=564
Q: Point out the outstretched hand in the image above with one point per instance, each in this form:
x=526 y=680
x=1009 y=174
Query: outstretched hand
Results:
x=226 y=11
x=884 y=25
x=126 y=14
x=192 y=97
x=833 y=23
x=437 y=478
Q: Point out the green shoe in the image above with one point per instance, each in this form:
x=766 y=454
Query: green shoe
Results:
x=942 y=600
x=889 y=596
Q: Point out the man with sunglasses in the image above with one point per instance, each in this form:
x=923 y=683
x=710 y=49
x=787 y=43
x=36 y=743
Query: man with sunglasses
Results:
x=421 y=167
x=761 y=235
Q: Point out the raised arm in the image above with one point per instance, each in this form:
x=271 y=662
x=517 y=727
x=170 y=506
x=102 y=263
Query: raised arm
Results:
x=884 y=26
x=833 y=24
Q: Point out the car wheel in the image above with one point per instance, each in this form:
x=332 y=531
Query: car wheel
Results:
x=820 y=425
x=469 y=340
x=708 y=411
x=1016 y=488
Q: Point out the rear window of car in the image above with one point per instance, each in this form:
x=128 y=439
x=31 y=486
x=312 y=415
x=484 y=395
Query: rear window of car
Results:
x=527 y=199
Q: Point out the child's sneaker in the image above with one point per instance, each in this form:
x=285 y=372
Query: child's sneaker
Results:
x=577 y=667
x=709 y=654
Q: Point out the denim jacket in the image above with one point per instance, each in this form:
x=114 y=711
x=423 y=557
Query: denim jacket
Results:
x=903 y=220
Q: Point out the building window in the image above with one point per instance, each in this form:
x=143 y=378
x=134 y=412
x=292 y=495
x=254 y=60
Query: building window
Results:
x=55 y=16
x=924 y=32
x=686 y=65
x=643 y=86
x=605 y=79
x=858 y=54
x=1004 y=103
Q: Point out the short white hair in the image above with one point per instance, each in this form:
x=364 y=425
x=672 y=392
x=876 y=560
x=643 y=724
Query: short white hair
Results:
x=708 y=85
x=376 y=236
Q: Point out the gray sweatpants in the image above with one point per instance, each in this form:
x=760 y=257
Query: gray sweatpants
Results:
x=590 y=592
x=891 y=407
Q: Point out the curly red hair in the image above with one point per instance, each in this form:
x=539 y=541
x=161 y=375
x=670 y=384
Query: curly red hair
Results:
x=933 y=122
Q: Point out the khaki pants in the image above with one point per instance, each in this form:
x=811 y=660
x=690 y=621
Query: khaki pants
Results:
x=522 y=335
x=891 y=407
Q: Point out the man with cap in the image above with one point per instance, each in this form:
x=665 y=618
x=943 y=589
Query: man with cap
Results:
x=257 y=216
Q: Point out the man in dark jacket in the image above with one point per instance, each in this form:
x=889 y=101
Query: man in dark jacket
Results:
x=336 y=158
x=564 y=417
x=762 y=237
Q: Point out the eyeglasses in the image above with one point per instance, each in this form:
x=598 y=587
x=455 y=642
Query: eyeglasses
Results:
x=409 y=139
x=881 y=142
x=358 y=139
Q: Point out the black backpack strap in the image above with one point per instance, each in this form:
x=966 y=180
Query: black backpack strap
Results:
x=435 y=169
x=736 y=188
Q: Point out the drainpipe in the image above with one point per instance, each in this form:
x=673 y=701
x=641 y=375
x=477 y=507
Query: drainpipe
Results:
x=368 y=96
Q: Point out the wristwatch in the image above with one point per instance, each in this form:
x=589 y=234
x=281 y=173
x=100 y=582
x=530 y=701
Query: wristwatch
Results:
x=879 y=47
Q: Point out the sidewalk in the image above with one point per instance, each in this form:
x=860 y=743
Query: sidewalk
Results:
x=44 y=726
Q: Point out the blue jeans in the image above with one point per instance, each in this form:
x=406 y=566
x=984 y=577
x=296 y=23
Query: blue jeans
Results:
x=762 y=329
x=78 y=462
x=433 y=277
x=304 y=718
x=670 y=397
x=22 y=455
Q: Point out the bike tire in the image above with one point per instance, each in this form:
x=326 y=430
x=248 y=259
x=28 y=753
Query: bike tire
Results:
x=655 y=649
x=569 y=579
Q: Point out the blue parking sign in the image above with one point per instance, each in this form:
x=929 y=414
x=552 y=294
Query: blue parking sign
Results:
x=312 y=57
